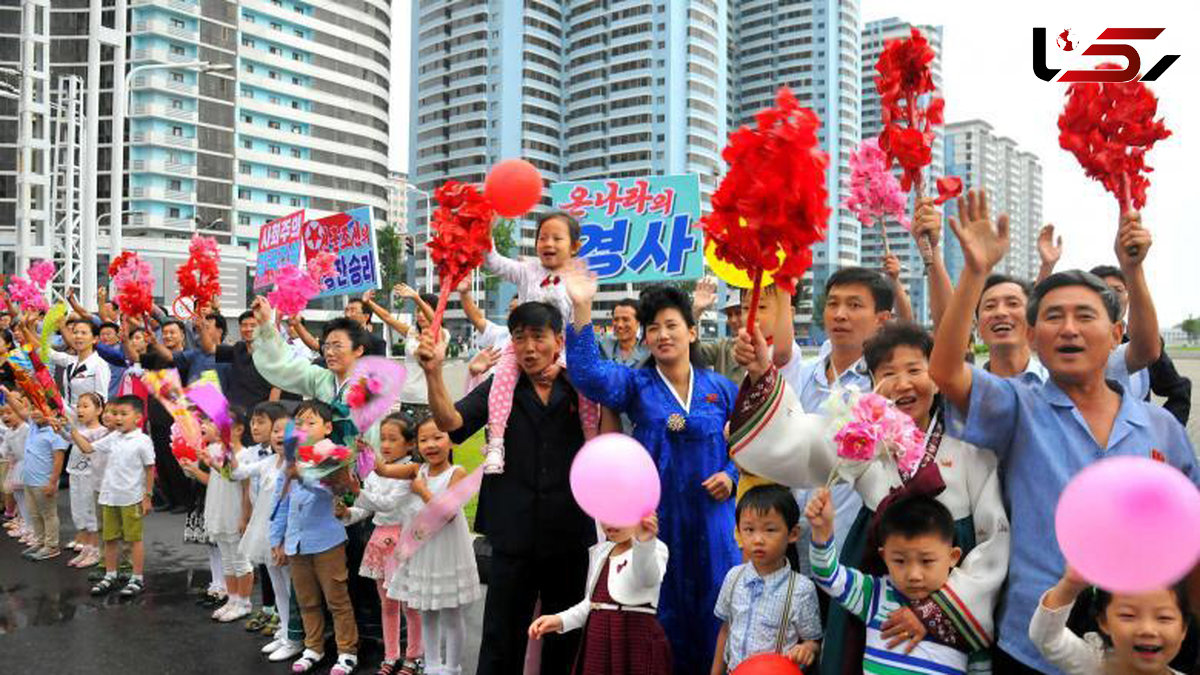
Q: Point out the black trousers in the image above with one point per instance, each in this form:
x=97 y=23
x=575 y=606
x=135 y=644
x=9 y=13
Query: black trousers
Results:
x=177 y=488
x=514 y=587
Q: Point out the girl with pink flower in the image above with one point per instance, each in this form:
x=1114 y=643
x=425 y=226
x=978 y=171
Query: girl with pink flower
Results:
x=888 y=444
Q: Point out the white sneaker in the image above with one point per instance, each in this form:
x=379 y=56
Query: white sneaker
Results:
x=286 y=651
x=346 y=664
x=220 y=611
x=239 y=610
x=493 y=458
x=273 y=645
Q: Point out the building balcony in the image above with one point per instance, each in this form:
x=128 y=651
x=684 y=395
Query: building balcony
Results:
x=181 y=6
x=165 y=83
x=145 y=221
x=163 y=167
x=159 y=27
x=161 y=56
x=160 y=110
x=161 y=194
x=166 y=140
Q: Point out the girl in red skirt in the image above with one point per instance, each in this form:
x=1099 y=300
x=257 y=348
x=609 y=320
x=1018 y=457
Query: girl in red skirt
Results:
x=621 y=634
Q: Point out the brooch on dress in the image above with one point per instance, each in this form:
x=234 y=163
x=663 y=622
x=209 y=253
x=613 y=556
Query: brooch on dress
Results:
x=676 y=422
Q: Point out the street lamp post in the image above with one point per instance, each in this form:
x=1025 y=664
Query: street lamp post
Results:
x=118 y=159
x=428 y=234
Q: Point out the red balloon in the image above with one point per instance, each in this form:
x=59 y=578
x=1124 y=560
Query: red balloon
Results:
x=513 y=187
x=767 y=664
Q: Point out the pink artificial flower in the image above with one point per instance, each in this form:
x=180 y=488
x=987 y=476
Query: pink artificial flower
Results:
x=356 y=396
x=322 y=266
x=26 y=295
x=871 y=407
x=909 y=448
x=857 y=441
x=875 y=192
x=374 y=386
x=293 y=290
x=41 y=272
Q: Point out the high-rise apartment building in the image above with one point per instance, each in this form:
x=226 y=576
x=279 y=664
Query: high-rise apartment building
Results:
x=814 y=48
x=610 y=88
x=1013 y=179
x=294 y=116
x=876 y=34
x=397 y=213
x=581 y=88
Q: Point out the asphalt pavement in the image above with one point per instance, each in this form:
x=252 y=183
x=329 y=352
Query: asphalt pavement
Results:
x=49 y=622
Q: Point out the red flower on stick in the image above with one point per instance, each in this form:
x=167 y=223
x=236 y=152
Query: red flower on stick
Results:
x=1109 y=127
x=773 y=198
x=905 y=80
x=463 y=225
x=200 y=277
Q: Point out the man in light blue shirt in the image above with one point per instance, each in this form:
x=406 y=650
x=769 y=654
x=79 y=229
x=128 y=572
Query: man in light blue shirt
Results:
x=858 y=301
x=1045 y=434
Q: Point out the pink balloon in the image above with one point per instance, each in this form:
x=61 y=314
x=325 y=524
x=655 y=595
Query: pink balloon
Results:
x=1129 y=524
x=614 y=480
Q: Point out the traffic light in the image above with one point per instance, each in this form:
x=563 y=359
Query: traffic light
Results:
x=408 y=245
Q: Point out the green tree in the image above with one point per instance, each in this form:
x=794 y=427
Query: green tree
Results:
x=391 y=260
x=1191 y=326
x=504 y=240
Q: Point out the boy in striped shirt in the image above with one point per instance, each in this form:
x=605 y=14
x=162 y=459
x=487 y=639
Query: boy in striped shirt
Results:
x=917 y=545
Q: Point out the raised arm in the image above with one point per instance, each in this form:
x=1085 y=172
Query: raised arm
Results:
x=276 y=363
x=405 y=291
x=1145 y=344
x=983 y=246
x=903 y=306
x=384 y=315
x=77 y=307
x=306 y=337
x=606 y=382
x=430 y=355
x=784 y=330
x=1049 y=251
x=927 y=222
x=474 y=314
x=504 y=267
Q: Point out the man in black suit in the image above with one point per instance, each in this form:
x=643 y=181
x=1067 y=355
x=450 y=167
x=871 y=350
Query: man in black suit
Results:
x=539 y=535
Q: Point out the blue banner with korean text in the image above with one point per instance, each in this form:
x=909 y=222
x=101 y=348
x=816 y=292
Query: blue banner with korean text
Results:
x=351 y=237
x=637 y=229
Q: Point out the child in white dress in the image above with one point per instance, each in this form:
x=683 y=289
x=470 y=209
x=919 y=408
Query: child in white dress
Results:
x=256 y=540
x=393 y=503
x=85 y=480
x=440 y=579
x=223 y=516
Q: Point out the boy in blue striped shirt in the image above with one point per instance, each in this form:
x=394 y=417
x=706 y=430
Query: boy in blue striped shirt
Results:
x=917 y=535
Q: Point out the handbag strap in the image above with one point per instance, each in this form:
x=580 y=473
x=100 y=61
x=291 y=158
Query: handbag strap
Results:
x=787 y=612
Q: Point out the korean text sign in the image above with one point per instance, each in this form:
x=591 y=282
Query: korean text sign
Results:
x=637 y=229
x=278 y=246
x=351 y=237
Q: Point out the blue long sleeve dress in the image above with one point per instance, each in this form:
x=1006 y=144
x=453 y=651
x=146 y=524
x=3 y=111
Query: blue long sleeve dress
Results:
x=697 y=529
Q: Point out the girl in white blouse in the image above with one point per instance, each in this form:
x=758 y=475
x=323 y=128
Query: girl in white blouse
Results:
x=1139 y=634
x=393 y=504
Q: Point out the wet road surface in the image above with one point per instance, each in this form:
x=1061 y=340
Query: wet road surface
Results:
x=49 y=622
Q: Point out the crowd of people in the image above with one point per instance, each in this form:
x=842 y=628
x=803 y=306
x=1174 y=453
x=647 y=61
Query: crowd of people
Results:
x=950 y=567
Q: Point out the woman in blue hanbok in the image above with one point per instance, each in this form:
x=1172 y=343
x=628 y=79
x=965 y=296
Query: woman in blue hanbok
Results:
x=679 y=411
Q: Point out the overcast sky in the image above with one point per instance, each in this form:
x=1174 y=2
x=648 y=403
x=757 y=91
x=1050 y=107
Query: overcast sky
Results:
x=988 y=75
